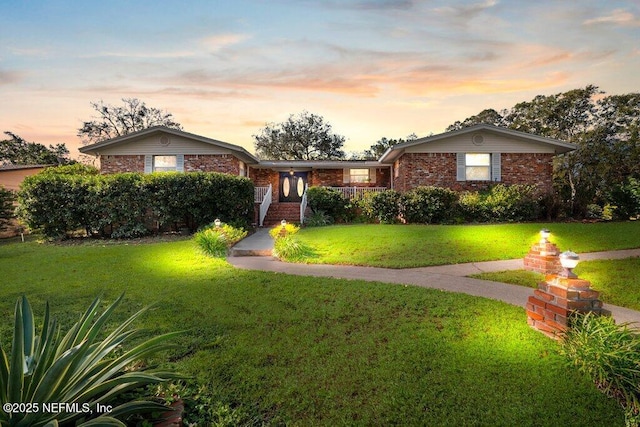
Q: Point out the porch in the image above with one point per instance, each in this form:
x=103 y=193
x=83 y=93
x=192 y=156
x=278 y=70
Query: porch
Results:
x=271 y=212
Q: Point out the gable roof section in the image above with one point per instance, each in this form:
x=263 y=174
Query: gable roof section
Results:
x=238 y=151
x=558 y=146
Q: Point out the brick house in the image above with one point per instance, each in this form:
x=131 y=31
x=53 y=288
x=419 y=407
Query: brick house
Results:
x=468 y=159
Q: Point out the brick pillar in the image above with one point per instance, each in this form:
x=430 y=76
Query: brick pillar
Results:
x=550 y=306
x=543 y=258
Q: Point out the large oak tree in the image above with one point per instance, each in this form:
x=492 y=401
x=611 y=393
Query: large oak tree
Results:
x=118 y=120
x=303 y=137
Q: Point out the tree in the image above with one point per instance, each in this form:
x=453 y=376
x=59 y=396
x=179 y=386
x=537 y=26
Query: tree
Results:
x=606 y=130
x=6 y=207
x=113 y=120
x=17 y=151
x=302 y=137
x=383 y=144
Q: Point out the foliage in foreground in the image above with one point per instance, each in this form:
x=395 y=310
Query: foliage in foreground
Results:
x=216 y=241
x=76 y=369
x=609 y=354
x=276 y=349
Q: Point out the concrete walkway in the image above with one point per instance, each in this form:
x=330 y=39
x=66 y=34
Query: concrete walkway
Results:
x=445 y=277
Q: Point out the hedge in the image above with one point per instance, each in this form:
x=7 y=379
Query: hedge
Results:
x=132 y=204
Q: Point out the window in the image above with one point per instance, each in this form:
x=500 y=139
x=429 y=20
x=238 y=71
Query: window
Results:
x=164 y=163
x=477 y=167
x=359 y=175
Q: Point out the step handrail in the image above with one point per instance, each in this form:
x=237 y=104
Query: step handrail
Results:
x=264 y=206
x=303 y=204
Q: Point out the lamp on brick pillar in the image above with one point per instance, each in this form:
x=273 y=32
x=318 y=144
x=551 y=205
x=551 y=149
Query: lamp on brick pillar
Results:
x=543 y=255
x=569 y=260
x=560 y=295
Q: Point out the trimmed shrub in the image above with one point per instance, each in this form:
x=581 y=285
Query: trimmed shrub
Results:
x=73 y=169
x=610 y=355
x=129 y=204
x=216 y=241
x=513 y=202
x=383 y=207
x=327 y=200
x=6 y=207
x=472 y=207
x=428 y=205
x=56 y=204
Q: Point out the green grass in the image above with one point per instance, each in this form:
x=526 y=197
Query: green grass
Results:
x=402 y=246
x=282 y=349
x=617 y=280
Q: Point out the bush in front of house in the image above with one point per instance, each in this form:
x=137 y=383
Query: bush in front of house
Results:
x=501 y=203
x=428 y=205
x=383 y=207
x=327 y=200
x=130 y=204
x=626 y=198
x=609 y=354
x=216 y=241
x=56 y=204
x=6 y=207
x=509 y=203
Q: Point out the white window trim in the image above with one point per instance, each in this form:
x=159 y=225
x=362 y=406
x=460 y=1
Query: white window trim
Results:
x=346 y=176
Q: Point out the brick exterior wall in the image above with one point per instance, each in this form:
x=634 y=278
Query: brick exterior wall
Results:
x=124 y=163
x=439 y=169
x=224 y=163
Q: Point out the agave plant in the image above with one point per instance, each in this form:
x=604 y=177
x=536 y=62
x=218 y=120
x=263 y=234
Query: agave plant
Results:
x=76 y=379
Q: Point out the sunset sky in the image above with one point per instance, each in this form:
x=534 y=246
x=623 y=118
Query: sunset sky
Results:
x=372 y=68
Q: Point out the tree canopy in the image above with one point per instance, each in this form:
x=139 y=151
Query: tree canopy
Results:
x=303 y=137
x=606 y=130
x=383 y=144
x=117 y=120
x=16 y=151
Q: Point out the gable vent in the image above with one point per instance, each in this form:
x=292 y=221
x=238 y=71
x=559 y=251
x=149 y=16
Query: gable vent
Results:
x=477 y=139
x=164 y=140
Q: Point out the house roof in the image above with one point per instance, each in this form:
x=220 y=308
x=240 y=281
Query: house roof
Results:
x=396 y=151
x=316 y=164
x=238 y=151
x=20 y=167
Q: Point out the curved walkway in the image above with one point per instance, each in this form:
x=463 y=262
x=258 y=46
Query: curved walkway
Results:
x=446 y=277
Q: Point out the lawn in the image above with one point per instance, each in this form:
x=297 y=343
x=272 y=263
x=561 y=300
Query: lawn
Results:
x=402 y=246
x=618 y=281
x=279 y=349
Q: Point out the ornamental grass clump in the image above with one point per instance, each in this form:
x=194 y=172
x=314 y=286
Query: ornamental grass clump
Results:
x=287 y=246
x=76 y=379
x=215 y=241
x=609 y=354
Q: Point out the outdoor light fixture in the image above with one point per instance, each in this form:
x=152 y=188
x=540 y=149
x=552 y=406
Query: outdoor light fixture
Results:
x=544 y=235
x=217 y=222
x=291 y=172
x=569 y=260
x=283 y=223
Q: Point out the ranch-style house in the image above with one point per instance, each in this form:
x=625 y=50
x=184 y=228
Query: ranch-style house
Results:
x=467 y=159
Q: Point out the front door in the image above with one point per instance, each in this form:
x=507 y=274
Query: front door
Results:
x=292 y=186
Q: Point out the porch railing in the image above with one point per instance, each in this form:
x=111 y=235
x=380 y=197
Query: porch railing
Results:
x=303 y=203
x=353 y=192
x=264 y=203
x=259 y=193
